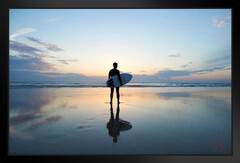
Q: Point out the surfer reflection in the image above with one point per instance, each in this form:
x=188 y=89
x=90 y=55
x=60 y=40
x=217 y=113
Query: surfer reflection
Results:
x=111 y=73
x=116 y=125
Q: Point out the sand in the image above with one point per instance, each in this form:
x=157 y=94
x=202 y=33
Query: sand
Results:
x=157 y=121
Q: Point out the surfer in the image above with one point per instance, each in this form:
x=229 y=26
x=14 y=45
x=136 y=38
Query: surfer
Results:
x=111 y=73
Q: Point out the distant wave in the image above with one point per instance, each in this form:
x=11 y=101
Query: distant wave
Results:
x=81 y=85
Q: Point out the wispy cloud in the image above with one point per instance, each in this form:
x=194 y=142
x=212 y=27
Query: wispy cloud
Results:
x=126 y=72
x=62 y=75
x=29 y=58
x=20 y=75
x=221 y=59
x=50 y=47
x=186 y=65
x=166 y=74
x=21 y=32
x=221 y=22
x=174 y=55
x=63 y=61
x=208 y=70
x=67 y=61
x=23 y=48
x=25 y=62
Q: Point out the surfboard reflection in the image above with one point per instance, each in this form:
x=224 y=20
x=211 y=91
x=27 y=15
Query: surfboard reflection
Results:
x=116 y=125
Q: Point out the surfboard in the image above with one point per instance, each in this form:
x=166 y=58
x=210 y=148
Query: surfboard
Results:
x=114 y=81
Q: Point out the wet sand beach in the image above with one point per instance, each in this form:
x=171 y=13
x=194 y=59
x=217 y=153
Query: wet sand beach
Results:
x=169 y=120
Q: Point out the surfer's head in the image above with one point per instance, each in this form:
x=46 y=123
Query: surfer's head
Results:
x=115 y=65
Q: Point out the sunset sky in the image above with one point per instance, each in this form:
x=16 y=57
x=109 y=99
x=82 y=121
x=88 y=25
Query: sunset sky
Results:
x=154 y=45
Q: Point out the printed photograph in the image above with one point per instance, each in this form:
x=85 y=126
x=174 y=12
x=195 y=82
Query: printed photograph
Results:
x=120 y=81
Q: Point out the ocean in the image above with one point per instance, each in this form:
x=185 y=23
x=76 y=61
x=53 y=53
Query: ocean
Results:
x=54 y=84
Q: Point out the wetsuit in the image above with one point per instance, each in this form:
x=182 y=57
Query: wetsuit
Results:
x=111 y=73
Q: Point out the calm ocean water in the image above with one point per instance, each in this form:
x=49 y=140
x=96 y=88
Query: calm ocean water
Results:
x=86 y=85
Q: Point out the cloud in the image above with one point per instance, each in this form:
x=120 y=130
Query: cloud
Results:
x=221 y=58
x=63 y=61
x=63 y=74
x=186 y=65
x=73 y=60
x=174 y=55
x=166 y=74
x=67 y=61
x=21 y=32
x=125 y=72
x=23 y=48
x=225 y=58
x=20 y=75
x=221 y=22
x=31 y=58
x=50 y=47
x=208 y=70
x=161 y=76
x=25 y=62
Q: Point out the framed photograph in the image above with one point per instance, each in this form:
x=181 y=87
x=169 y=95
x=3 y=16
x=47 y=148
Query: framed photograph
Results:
x=142 y=81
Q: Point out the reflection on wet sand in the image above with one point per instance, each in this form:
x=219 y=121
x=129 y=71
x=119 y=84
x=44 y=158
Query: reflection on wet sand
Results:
x=115 y=125
x=166 y=121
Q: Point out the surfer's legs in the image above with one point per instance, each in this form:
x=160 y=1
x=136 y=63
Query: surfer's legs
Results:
x=111 y=95
x=117 y=90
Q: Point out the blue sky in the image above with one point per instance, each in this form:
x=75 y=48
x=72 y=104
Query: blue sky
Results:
x=155 y=45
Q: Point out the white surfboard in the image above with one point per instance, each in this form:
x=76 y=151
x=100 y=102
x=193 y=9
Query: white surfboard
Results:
x=114 y=81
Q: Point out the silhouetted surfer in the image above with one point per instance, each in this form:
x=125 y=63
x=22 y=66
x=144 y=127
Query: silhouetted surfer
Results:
x=111 y=73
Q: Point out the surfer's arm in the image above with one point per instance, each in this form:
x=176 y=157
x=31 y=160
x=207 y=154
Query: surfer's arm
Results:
x=109 y=75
